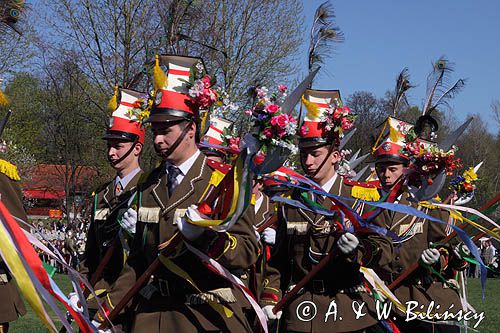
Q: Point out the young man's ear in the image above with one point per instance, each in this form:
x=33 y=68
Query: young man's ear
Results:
x=137 y=149
x=335 y=157
x=192 y=130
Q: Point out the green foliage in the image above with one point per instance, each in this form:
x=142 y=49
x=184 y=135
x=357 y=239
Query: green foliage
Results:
x=25 y=124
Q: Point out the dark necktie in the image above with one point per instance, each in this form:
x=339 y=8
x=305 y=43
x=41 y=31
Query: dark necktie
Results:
x=172 y=182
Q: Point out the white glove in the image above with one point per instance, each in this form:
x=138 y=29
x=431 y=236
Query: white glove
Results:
x=459 y=249
x=129 y=220
x=347 y=243
x=97 y=324
x=430 y=256
x=74 y=301
x=257 y=235
x=268 y=311
x=189 y=230
x=269 y=236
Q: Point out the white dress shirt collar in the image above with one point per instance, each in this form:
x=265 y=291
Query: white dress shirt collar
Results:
x=125 y=180
x=329 y=184
x=185 y=166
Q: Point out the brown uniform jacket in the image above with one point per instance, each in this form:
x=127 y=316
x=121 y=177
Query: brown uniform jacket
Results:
x=265 y=212
x=102 y=233
x=340 y=281
x=421 y=286
x=169 y=302
x=11 y=306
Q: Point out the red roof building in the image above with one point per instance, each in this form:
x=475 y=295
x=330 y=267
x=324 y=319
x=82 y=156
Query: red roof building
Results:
x=47 y=185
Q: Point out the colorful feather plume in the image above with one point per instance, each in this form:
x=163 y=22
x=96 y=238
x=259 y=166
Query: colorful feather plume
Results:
x=402 y=85
x=439 y=89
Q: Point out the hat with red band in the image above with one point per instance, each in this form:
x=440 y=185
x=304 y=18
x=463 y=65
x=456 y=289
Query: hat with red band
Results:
x=326 y=118
x=172 y=102
x=214 y=136
x=123 y=124
x=389 y=149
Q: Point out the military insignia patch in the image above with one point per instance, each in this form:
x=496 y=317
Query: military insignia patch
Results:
x=158 y=96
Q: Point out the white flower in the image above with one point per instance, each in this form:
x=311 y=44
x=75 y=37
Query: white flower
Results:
x=261 y=91
x=199 y=67
x=290 y=128
x=196 y=89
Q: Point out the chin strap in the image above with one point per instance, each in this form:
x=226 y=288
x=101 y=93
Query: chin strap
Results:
x=330 y=151
x=170 y=150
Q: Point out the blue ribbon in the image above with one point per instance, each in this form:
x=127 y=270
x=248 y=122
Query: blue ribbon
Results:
x=396 y=207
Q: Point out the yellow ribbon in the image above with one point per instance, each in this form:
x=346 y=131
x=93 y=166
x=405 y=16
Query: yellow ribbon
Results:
x=238 y=174
x=458 y=216
x=23 y=280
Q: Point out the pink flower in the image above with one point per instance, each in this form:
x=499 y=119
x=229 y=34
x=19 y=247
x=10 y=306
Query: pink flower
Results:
x=346 y=124
x=206 y=98
x=207 y=82
x=272 y=108
x=281 y=120
x=249 y=112
x=346 y=110
x=268 y=132
x=282 y=88
x=281 y=132
x=234 y=143
x=303 y=130
x=338 y=113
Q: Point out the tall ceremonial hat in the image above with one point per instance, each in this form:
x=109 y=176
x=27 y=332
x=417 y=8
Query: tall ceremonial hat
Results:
x=172 y=102
x=124 y=124
x=214 y=136
x=276 y=182
x=389 y=145
x=322 y=123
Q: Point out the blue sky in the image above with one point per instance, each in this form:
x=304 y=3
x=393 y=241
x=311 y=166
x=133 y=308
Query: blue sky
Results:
x=382 y=37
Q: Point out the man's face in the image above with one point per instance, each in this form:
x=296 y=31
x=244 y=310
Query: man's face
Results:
x=117 y=149
x=389 y=173
x=312 y=158
x=165 y=136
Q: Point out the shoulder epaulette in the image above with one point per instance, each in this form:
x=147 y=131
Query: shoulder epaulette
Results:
x=369 y=184
x=364 y=190
x=221 y=167
x=143 y=177
x=9 y=169
x=220 y=171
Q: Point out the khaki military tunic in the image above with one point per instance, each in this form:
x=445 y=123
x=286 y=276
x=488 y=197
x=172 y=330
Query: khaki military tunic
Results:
x=338 y=286
x=169 y=303
x=103 y=231
x=421 y=286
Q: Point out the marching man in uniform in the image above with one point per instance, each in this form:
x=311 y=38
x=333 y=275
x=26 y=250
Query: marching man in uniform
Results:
x=416 y=239
x=125 y=140
x=182 y=295
x=304 y=238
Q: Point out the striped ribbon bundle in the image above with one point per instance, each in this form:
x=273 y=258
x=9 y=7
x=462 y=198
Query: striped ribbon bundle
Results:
x=33 y=281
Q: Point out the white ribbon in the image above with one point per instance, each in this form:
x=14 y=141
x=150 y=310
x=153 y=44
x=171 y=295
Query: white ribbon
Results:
x=234 y=280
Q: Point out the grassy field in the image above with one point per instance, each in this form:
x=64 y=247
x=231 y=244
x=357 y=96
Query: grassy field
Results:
x=491 y=307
